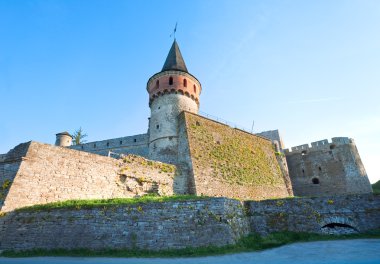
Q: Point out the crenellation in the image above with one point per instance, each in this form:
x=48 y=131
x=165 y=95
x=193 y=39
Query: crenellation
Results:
x=320 y=145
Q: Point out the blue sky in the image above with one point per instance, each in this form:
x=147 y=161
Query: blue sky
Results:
x=308 y=68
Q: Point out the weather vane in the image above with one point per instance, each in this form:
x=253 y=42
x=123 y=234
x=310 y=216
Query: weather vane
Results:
x=175 y=29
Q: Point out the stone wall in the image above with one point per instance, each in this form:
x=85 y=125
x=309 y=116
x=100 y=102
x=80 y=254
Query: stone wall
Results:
x=152 y=226
x=273 y=135
x=334 y=215
x=163 y=125
x=229 y=162
x=43 y=173
x=179 y=224
x=327 y=168
x=9 y=165
x=136 y=145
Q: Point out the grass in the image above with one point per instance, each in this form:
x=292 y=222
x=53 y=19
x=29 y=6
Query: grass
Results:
x=252 y=242
x=231 y=155
x=88 y=204
x=376 y=187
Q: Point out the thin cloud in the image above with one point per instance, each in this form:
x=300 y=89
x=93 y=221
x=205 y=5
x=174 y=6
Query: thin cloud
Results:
x=316 y=100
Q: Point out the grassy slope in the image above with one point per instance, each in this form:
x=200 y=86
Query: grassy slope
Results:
x=233 y=156
x=376 y=187
x=250 y=243
x=87 y=204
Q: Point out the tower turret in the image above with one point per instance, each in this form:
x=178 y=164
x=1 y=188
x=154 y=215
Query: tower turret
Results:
x=171 y=91
x=63 y=139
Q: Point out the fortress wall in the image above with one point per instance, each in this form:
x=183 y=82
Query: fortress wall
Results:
x=48 y=174
x=136 y=145
x=180 y=224
x=327 y=168
x=359 y=213
x=230 y=162
x=163 y=126
x=150 y=226
x=273 y=135
x=9 y=165
x=184 y=183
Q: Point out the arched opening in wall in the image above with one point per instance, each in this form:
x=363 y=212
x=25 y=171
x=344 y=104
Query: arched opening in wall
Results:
x=304 y=152
x=315 y=181
x=195 y=88
x=108 y=144
x=338 y=229
x=94 y=145
x=157 y=84
x=332 y=146
x=184 y=83
x=172 y=90
x=303 y=172
x=134 y=140
x=319 y=168
x=187 y=94
x=180 y=91
x=121 y=142
x=166 y=91
x=170 y=80
x=157 y=126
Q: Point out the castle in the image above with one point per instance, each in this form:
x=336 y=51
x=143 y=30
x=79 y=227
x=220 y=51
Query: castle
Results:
x=208 y=157
x=181 y=153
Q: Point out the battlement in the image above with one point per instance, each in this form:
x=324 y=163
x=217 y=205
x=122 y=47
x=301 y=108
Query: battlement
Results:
x=320 y=145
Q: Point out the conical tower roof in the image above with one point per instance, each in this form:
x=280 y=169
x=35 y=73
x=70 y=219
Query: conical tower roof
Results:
x=174 y=60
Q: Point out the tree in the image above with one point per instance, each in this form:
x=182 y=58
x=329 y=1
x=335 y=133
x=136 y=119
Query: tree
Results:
x=78 y=137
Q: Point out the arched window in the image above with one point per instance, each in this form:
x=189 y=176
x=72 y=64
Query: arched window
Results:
x=184 y=83
x=157 y=84
x=170 y=80
x=195 y=88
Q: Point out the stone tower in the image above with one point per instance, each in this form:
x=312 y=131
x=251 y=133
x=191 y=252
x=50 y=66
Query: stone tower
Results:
x=171 y=91
x=63 y=139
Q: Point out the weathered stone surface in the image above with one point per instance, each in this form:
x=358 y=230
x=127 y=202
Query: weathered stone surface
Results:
x=36 y=173
x=153 y=226
x=333 y=214
x=230 y=162
x=193 y=223
x=327 y=168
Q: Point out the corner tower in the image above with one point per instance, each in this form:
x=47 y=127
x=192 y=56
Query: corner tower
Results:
x=171 y=91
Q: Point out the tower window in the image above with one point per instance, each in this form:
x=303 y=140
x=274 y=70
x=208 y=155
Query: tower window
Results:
x=121 y=142
x=184 y=83
x=157 y=126
x=195 y=88
x=94 y=145
x=157 y=84
x=108 y=144
x=134 y=140
x=170 y=80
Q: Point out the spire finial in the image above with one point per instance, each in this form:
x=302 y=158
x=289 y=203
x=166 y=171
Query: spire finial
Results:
x=175 y=29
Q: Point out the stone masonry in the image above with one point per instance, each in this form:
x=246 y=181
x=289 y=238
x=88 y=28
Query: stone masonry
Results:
x=36 y=173
x=327 y=168
x=180 y=224
x=151 y=226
